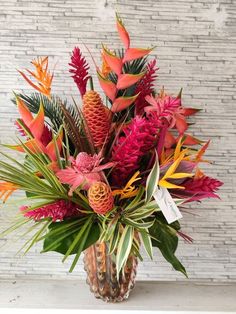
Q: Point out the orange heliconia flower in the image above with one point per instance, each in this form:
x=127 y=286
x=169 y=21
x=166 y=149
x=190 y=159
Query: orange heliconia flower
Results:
x=6 y=189
x=106 y=69
x=42 y=75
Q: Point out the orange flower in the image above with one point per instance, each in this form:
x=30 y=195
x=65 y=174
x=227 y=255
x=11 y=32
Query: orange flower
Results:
x=42 y=76
x=105 y=67
x=6 y=189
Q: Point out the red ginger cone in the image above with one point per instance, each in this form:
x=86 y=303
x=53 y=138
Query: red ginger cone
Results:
x=97 y=117
x=100 y=198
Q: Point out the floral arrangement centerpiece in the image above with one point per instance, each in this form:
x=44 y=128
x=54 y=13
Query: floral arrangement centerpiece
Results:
x=106 y=174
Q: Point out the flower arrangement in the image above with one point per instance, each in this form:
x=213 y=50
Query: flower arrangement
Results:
x=116 y=169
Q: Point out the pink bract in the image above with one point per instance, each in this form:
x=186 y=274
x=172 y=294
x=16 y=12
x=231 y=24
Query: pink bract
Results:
x=57 y=211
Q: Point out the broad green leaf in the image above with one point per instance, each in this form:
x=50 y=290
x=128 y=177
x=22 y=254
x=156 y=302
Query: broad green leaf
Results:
x=168 y=243
x=81 y=247
x=79 y=237
x=63 y=240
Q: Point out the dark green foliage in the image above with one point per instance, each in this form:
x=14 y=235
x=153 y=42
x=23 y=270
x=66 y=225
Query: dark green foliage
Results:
x=68 y=235
x=52 y=108
x=167 y=242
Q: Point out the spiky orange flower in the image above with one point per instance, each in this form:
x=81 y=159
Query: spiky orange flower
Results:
x=6 y=189
x=97 y=117
x=100 y=198
x=42 y=76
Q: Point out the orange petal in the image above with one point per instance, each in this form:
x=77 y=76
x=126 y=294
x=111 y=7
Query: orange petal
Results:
x=29 y=81
x=108 y=86
x=124 y=36
x=26 y=115
x=37 y=125
x=122 y=103
x=202 y=151
x=33 y=145
x=6 y=189
x=169 y=140
x=190 y=140
x=51 y=149
x=136 y=53
x=189 y=111
x=114 y=62
x=180 y=123
x=126 y=80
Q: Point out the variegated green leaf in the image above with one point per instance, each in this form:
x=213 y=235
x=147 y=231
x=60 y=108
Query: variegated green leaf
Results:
x=124 y=248
x=147 y=243
x=152 y=180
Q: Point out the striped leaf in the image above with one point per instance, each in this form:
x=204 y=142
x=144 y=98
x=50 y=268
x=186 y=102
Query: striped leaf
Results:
x=152 y=180
x=124 y=248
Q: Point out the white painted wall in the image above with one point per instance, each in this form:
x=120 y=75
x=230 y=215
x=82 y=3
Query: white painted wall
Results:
x=196 y=45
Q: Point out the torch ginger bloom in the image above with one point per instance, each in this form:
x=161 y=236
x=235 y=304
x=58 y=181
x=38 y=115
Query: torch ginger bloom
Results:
x=84 y=171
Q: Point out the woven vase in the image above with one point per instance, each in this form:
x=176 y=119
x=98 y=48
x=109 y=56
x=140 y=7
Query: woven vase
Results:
x=102 y=276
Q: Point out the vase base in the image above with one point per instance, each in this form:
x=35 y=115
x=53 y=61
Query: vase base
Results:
x=102 y=276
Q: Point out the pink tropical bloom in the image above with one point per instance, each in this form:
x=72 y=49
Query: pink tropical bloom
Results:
x=57 y=211
x=199 y=188
x=79 y=69
x=84 y=171
x=138 y=138
x=163 y=106
x=169 y=108
x=145 y=87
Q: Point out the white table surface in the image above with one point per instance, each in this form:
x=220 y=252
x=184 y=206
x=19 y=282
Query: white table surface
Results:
x=72 y=295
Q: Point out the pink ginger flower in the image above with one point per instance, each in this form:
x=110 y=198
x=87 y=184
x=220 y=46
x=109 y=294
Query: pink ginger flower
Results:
x=79 y=69
x=199 y=188
x=203 y=184
x=163 y=106
x=138 y=138
x=84 y=171
x=145 y=87
x=57 y=211
x=168 y=108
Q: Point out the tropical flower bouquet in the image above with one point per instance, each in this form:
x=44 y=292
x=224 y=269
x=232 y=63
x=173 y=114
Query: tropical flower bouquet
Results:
x=106 y=175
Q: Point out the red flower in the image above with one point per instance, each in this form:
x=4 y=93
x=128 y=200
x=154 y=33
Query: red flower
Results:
x=57 y=211
x=79 y=70
x=199 y=188
x=203 y=184
x=139 y=137
x=145 y=86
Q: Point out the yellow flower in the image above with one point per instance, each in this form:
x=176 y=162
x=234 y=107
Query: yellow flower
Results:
x=129 y=190
x=171 y=174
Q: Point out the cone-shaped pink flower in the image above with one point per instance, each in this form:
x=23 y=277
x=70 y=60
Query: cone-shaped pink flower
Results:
x=139 y=137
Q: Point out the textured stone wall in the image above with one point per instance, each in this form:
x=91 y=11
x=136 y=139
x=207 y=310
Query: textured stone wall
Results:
x=195 y=48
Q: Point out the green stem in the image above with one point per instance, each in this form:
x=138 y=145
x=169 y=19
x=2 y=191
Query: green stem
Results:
x=91 y=83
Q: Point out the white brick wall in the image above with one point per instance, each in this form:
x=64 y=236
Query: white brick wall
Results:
x=196 y=45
